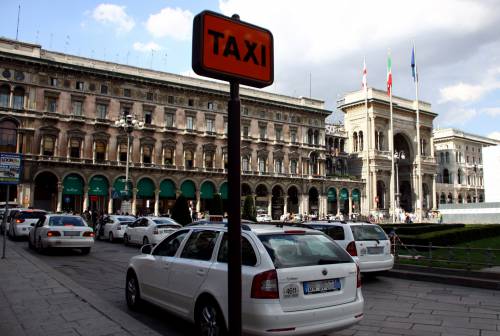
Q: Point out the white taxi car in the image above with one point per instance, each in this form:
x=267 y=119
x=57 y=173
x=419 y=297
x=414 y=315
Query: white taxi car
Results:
x=115 y=227
x=61 y=231
x=294 y=281
x=21 y=222
x=149 y=230
x=368 y=242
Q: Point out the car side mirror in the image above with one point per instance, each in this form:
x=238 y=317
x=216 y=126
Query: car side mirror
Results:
x=32 y=224
x=146 y=249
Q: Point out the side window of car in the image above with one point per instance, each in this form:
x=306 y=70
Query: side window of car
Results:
x=169 y=246
x=144 y=222
x=248 y=257
x=336 y=233
x=200 y=245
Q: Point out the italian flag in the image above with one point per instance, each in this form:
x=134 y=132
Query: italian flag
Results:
x=389 y=75
x=364 y=82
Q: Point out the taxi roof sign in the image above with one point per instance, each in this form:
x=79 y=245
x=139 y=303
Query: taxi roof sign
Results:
x=232 y=50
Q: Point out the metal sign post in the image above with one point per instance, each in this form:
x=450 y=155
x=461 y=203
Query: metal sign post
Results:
x=4 y=222
x=241 y=53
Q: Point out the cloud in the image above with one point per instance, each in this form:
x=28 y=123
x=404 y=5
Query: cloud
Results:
x=146 y=47
x=458 y=116
x=463 y=92
x=492 y=111
x=494 y=135
x=169 y=22
x=114 y=15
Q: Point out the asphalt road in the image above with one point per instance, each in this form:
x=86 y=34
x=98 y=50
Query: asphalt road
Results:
x=392 y=306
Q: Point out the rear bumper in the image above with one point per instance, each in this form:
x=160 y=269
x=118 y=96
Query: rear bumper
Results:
x=68 y=242
x=118 y=234
x=268 y=319
x=376 y=266
x=21 y=230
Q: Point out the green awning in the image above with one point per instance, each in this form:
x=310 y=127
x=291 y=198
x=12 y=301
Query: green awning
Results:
x=344 y=194
x=356 y=195
x=223 y=191
x=167 y=189
x=98 y=186
x=145 y=188
x=188 y=189
x=332 y=195
x=119 y=188
x=73 y=185
x=207 y=190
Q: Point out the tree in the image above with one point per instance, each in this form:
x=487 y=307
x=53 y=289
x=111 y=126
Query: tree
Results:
x=180 y=212
x=216 y=206
x=249 y=211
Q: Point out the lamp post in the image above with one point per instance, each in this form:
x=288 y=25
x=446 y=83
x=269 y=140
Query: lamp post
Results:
x=398 y=156
x=128 y=123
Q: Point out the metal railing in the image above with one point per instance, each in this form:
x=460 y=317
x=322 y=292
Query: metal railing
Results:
x=445 y=256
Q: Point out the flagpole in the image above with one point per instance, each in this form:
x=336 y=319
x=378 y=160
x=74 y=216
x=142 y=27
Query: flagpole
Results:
x=368 y=142
x=391 y=146
x=419 y=158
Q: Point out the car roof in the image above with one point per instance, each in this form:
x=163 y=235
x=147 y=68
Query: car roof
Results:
x=64 y=215
x=256 y=228
x=322 y=222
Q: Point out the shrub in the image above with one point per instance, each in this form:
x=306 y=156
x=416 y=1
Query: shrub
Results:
x=249 y=211
x=453 y=236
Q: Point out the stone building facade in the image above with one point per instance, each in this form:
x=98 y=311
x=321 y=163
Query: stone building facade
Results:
x=460 y=172
x=59 y=111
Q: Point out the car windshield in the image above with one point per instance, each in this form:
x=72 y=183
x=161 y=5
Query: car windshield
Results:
x=295 y=250
x=30 y=214
x=368 y=232
x=163 y=221
x=125 y=219
x=66 y=221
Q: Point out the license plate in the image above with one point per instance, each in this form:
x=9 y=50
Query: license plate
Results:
x=71 y=233
x=321 y=286
x=375 y=250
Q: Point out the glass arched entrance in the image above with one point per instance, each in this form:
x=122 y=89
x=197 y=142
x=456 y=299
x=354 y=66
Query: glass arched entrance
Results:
x=72 y=195
x=145 y=198
x=293 y=200
x=261 y=199
x=167 y=196
x=404 y=171
x=119 y=195
x=45 y=192
x=277 y=202
x=313 y=201
x=332 y=201
x=207 y=192
x=98 y=193
x=356 y=201
x=344 y=201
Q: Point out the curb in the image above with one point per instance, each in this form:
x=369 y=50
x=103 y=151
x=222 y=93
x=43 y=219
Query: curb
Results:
x=125 y=321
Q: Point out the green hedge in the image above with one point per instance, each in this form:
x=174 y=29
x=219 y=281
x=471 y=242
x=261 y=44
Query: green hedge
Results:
x=453 y=236
x=416 y=230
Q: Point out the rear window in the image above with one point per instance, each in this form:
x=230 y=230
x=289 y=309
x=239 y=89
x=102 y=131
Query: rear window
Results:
x=368 y=232
x=66 y=221
x=335 y=232
x=163 y=221
x=125 y=219
x=294 y=250
x=30 y=214
x=168 y=226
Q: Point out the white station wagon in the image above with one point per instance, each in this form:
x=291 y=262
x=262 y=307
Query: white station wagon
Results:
x=61 y=231
x=115 y=227
x=294 y=281
x=149 y=230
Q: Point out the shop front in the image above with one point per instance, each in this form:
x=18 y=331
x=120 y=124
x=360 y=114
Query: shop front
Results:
x=145 y=197
x=98 y=193
x=167 y=197
x=72 y=195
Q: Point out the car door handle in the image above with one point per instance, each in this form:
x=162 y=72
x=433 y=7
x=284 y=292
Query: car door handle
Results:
x=200 y=272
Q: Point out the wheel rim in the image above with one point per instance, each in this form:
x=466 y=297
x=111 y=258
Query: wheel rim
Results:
x=111 y=236
x=131 y=291
x=208 y=321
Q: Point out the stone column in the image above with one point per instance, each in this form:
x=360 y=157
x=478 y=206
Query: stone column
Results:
x=269 y=204
x=305 y=206
x=134 y=201
x=11 y=98
x=85 y=198
x=198 y=201
x=157 y=202
x=322 y=205
x=374 y=190
x=110 y=201
x=300 y=200
x=350 y=203
x=285 y=205
x=338 y=203
x=31 y=194
x=434 y=200
x=18 y=143
x=59 y=197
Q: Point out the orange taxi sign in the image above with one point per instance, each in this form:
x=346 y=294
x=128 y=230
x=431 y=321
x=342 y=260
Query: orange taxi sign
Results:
x=231 y=50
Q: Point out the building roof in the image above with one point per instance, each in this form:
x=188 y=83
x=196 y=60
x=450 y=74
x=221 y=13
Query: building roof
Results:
x=445 y=134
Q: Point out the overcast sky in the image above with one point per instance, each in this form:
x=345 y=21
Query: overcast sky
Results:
x=458 y=44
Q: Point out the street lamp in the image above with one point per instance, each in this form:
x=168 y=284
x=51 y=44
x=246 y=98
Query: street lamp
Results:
x=128 y=123
x=398 y=156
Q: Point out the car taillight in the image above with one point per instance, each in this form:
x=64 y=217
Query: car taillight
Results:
x=88 y=234
x=265 y=285
x=358 y=277
x=351 y=249
x=18 y=221
x=53 y=234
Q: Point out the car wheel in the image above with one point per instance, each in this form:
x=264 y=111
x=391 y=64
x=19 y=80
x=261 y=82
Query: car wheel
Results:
x=145 y=241
x=125 y=240
x=111 y=238
x=30 y=244
x=209 y=319
x=132 y=293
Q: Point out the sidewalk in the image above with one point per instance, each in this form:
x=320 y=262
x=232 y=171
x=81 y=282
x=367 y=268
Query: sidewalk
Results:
x=37 y=300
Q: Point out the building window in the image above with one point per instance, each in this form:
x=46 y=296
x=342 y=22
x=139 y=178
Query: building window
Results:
x=168 y=156
x=51 y=104
x=169 y=119
x=210 y=105
x=262 y=165
x=224 y=159
x=104 y=89
x=4 y=96
x=8 y=136
x=79 y=86
x=127 y=93
x=262 y=132
x=101 y=111
x=148 y=117
x=262 y=114
x=77 y=108
x=149 y=96
x=189 y=159
x=278 y=166
x=293 y=136
x=245 y=163
x=210 y=125
x=147 y=154
x=190 y=123
x=191 y=102
x=100 y=151
x=53 y=81
x=18 y=98
x=209 y=160
x=293 y=167
x=245 y=111
x=74 y=148
x=360 y=140
x=170 y=99
x=49 y=144
x=245 y=131
x=122 y=156
x=355 y=142
x=278 y=116
x=279 y=133
x=125 y=110
x=225 y=126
